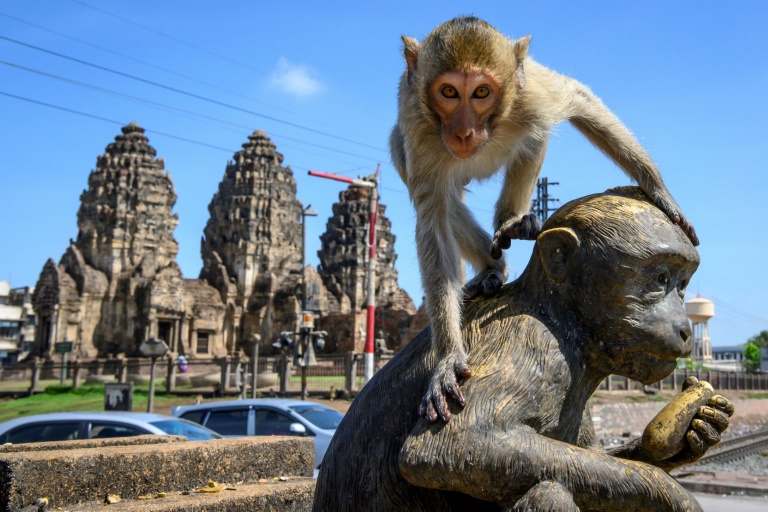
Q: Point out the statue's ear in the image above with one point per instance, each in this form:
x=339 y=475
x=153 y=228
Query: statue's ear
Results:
x=557 y=247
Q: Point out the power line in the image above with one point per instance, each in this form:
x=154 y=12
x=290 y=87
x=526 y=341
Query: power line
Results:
x=155 y=66
x=121 y=123
x=172 y=38
x=190 y=94
x=172 y=108
x=737 y=313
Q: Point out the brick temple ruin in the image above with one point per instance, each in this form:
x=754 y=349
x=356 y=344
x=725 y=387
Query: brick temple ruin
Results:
x=118 y=283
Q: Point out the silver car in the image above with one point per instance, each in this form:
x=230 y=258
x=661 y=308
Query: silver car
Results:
x=267 y=416
x=64 y=426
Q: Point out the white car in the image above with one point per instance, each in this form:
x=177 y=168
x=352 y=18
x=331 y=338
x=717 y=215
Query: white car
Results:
x=267 y=416
x=64 y=426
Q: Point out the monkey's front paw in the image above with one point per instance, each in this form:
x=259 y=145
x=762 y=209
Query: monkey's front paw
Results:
x=444 y=383
x=674 y=214
x=487 y=283
x=526 y=228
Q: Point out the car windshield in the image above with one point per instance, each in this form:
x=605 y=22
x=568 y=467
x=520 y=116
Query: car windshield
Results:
x=320 y=416
x=185 y=428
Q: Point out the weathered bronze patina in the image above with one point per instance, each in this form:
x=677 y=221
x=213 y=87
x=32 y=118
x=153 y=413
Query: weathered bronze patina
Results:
x=602 y=294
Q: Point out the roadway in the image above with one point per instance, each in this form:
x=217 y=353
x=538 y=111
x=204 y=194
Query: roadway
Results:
x=719 y=503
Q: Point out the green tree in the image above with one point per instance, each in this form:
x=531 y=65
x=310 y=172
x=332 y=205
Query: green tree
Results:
x=761 y=340
x=751 y=360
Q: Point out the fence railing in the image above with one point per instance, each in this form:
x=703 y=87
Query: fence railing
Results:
x=277 y=375
x=226 y=375
x=720 y=380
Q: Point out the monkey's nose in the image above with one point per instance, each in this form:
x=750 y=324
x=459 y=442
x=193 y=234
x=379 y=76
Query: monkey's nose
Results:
x=464 y=137
x=685 y=333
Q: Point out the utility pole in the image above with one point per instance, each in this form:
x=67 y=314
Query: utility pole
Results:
x=373 y=210
x=540 y=205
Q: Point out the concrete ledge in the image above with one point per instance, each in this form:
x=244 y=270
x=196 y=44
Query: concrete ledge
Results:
x=91 y=443
x=70 y=477
x=295 y=495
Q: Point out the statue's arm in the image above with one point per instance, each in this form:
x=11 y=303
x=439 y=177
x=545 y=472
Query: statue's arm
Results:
x=501 y=466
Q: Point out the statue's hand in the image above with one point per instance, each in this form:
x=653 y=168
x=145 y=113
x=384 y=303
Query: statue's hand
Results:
x=688 y=426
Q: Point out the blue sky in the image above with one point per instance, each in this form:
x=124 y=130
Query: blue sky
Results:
x=688 y=78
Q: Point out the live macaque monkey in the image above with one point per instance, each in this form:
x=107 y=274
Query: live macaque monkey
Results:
x=471 y=102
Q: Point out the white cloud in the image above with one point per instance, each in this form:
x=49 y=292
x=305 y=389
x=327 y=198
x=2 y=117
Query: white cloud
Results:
x=295 y=79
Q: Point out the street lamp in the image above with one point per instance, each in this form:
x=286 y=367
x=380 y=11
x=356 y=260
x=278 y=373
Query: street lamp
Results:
x=153 y=348
x=306 y=212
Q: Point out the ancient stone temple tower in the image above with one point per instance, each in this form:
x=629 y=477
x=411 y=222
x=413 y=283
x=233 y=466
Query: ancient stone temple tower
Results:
x=344 y=255
x=252 y=245
x=343 y=263
x=125 y=215
x=118 y=283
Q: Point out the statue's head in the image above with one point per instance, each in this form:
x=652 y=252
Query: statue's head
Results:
x=617 y=265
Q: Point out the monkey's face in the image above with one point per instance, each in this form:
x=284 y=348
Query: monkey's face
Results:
x=464 y=101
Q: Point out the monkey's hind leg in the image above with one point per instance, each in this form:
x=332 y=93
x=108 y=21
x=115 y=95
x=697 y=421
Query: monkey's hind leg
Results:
x=487 y=283
x=473 y=243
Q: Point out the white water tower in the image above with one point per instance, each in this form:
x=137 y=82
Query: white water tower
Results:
x=699 y=311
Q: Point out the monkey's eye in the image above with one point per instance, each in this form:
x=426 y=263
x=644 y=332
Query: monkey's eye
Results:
x=663 y=278
x=482 y=92
x=449 y=91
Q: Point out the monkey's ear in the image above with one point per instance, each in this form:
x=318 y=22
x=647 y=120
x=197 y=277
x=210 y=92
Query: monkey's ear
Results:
x=556 y=247
x=521 y=50
x=411 y=53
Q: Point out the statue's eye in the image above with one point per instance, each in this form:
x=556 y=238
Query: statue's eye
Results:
x=449 y=91
x=663 y=279
x=482 y=92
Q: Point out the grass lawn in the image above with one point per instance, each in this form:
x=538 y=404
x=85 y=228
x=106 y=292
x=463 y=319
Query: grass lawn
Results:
x=89 y=397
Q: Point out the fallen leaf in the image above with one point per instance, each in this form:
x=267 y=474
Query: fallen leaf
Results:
x=218 y=488
x=109 y=499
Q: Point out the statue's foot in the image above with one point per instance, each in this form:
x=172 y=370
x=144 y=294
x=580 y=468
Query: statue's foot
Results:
x=443 y=384
x=546 y=497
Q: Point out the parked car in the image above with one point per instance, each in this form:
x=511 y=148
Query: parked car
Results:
x=63 y=426
x=267 y=416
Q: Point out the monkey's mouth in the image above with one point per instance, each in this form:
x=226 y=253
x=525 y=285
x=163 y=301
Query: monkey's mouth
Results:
x=462 y=154
x=463 y=150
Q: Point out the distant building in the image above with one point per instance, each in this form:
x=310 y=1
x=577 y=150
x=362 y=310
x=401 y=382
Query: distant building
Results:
x=730 y=353
x=17 y=322
x=727 y=358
